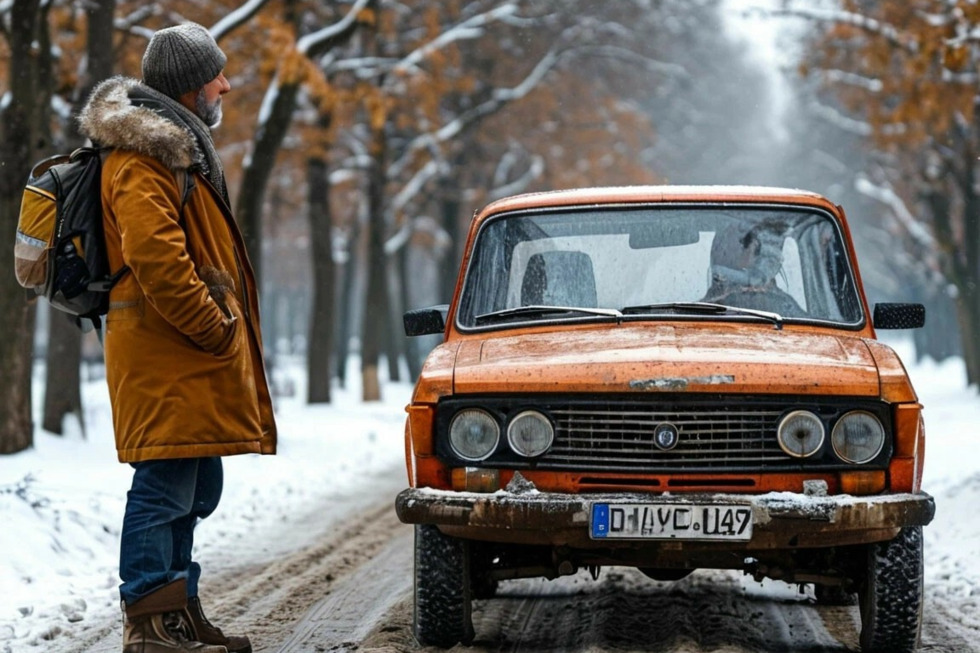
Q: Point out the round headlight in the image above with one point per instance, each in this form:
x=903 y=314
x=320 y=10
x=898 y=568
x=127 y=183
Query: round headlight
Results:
x=530 y=434
x=800 y=433
x=858 y=437
x=473 y=434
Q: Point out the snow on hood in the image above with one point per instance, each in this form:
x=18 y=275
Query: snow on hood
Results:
x=668 y=358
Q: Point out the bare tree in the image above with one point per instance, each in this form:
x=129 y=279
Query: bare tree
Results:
x=24 y=137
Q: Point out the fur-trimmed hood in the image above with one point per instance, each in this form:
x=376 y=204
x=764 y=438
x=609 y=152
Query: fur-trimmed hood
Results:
x=111 y=119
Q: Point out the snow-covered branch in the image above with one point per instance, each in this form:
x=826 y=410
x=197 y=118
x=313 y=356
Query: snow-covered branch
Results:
x=305 y=45
x=363 y=67
x=964 y=78
x=519 y=185
x=850 y=79
x=887 y=196
x=414 y=186
x=131 y=23
x=839 y=120
x=236 y=18
x=498 y=98
x=625 y=54
x=268 y=101
x=398 y=239
x=471 y=28
x=889 y=32
x=311 y=42
x=502 y=95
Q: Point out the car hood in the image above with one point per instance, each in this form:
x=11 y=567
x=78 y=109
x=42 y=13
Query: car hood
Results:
x=669 y=358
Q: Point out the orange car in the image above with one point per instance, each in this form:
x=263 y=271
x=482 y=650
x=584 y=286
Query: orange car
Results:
x=667 y=378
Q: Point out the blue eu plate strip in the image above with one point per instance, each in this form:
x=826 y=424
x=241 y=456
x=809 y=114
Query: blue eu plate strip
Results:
x=600 y=520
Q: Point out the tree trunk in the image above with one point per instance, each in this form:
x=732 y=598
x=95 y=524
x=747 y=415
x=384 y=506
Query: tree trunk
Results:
x=24 y=138
x=320 y=346
x=969 y=291
x=968 y=311
x=62 y=387
x=450 y=207
x=395 y=338
x=940 y=339
x=258 y=169
x=374 y=323
x=62 y=384
x=959 y=254
x=345 y=303
x=101 y=14
x=413 y=358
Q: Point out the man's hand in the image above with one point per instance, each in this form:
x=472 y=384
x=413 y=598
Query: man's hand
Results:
x=220 y=285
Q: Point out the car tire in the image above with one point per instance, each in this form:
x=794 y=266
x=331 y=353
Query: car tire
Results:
x=890 y=596
x=443 y=594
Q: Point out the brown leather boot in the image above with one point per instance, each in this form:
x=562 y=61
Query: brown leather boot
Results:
x=158 y=623
x=205 y=631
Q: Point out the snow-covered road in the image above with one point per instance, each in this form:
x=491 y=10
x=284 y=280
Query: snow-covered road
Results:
x=305 y=553
x=349 y=589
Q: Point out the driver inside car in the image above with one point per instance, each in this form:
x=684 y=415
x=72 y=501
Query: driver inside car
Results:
x=744 y=266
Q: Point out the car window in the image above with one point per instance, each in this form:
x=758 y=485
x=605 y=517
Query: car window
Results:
x=788 y=261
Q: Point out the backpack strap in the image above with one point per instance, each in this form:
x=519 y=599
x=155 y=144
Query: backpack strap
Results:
x=186 y=183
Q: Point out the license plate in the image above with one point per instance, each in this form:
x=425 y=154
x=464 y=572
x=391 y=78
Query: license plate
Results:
x=639 y=521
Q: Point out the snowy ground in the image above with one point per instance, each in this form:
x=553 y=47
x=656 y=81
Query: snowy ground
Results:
x=61 y=503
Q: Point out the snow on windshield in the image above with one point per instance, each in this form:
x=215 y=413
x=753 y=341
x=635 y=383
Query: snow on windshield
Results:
x=785 y=260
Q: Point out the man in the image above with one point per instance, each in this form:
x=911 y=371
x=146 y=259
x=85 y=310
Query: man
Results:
x=183 y=348
x=744 y=266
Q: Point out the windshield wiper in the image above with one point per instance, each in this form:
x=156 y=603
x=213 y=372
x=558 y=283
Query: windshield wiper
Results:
x=703 y=308
x=540 y=311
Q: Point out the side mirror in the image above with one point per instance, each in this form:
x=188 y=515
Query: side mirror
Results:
x=426 y=321
x=899 y=316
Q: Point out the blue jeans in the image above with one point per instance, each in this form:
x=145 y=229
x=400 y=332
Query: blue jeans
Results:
x=167 y=499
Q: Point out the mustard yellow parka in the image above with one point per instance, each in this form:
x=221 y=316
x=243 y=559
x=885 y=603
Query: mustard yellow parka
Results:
x=185 y=378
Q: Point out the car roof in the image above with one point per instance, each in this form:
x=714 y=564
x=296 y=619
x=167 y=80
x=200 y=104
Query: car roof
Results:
x=657 y=194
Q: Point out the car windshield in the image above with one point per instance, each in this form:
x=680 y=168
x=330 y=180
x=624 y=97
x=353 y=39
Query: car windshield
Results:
x=779 y=263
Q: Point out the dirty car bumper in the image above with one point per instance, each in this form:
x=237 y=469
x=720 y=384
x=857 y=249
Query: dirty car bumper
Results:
x=780 y=519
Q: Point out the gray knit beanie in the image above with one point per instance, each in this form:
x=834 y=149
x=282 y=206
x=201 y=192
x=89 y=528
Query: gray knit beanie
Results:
x=181 y=59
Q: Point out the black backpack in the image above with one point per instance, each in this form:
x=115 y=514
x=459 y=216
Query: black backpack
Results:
x=60 y=250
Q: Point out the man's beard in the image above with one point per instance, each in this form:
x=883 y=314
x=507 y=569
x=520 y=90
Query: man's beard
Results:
x=209 y=113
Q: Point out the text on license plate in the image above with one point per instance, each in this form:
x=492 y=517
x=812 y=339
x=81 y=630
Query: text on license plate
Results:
x=681 y=522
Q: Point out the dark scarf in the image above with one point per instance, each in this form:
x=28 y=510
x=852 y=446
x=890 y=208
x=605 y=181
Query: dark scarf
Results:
x=207 y=157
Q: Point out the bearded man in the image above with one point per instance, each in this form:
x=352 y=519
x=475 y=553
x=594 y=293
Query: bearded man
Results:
x=183 y=347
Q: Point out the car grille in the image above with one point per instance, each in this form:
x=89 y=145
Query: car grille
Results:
x=621 y=439
x=717 y=433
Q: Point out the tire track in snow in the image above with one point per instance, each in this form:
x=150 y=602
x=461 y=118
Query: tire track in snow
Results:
x=352 y=609
x=277 y=603
x=626 y=612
